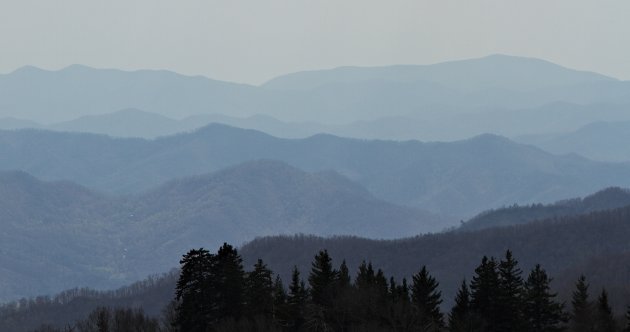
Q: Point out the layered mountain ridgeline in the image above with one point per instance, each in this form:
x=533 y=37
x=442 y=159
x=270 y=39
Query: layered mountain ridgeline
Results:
x=142 y=124
x=63 y=309
x=606 y=199
x=566 y=248
x=491 y=72
x=594 y=244
x=436 y=124
x=80 y=238
x=460 y=178
x=598 y=140
x=360 y=94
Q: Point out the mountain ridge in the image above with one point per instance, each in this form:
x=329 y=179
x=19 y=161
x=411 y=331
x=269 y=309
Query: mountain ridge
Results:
x=83 y=238
x=462 y=178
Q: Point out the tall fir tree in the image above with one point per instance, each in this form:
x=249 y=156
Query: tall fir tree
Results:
x=427 y=300
x=280 y=310
x=460 y=318
x=296 y=302
x=542 y=312
x=344 y=276
x=365 y=276
x=604 y=320
x=229 y=283
x=259 y=291
x=509 y=315
x=581 y=313
x=193 y=312
x=483 y=295
x=322 y=279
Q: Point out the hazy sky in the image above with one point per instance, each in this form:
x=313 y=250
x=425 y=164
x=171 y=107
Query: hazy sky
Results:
x=252 y=41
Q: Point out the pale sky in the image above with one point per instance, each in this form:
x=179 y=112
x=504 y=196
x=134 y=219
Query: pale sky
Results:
x=253 y=41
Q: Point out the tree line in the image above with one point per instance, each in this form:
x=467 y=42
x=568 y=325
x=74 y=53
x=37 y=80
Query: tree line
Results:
x=215 y=293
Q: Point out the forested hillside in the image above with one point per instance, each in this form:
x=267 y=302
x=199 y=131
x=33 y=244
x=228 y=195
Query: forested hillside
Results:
x=152 y=295
x=594 y=244
x=606 y=199
x=81 y=238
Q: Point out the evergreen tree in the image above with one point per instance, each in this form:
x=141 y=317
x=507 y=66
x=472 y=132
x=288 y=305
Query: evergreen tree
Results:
x=460 y=318
x=296 y=301
x=229 y=284
x=427 y=300
x=365 y=277
x=259 y=291
x=344 y=276
x=483 y=296
x=404 y=290
x=509 y=316
x=581 y=320
x=604 y=320
x=371 y=295
x=279 y=302
x=542 y=312
x=393 y=289
x=380 y=285
x=322 y=279
x=193 y=312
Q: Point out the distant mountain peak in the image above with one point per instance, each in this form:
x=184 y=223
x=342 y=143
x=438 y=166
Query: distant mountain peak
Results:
x=495 y=71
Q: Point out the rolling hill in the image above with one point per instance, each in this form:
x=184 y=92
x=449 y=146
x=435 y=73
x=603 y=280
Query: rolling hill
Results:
x=609 y=198
x=596 y=140
x=80 y=238
x=594 y=244
x=566 y=247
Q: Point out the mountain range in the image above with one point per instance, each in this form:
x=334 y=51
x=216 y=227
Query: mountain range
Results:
x=607 y=199
x=345 y=99
x=81 y=238
x=458 y=179
x=593 y=244
x=598 y=141
x=566 y=246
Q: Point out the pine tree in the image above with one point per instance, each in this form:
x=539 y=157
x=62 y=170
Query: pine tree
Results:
x=427 y=300
x=483 y=296
x=509 y=316
x=193 y=312
x=296 y=301
x=322 y=279
x=460 y=318
x=581 y=320
x=279 y=302
x=259 y=291
x=344 y=276
x=404 y=290
x=229 y=284
x=604 y=320
x=380 y=285
x=542 y=312
x=365 y=277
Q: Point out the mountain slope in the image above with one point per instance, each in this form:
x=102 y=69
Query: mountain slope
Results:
x=338 y=96
x=495 y=71
x=460 y=178
x=124 y=123
x=597 y=140
x=51 y=96
x=606 y=199
x=566 y=247
x=80 y=238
